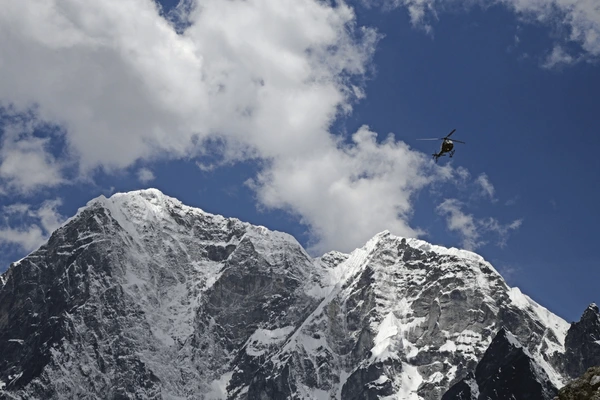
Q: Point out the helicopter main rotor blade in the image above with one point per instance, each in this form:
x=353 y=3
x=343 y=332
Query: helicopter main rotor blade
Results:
x=432 y=139
x=458 y=141
x=450 y=134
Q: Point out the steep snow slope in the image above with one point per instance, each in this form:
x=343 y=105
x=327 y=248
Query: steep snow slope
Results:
x=139 y=296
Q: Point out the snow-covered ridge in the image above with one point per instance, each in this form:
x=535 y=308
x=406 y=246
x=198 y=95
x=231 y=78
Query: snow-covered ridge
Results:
x=137 y=208
x=145 y=206
x=151 y=204
x=452 y=251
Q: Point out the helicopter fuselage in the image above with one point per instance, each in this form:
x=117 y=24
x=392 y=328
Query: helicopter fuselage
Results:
x=447 y=146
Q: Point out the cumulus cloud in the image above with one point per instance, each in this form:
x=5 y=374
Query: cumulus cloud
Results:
x=260 y=80
x=471 y=229
x=34 y=225
x=145 y=175
x=266 y=76
x=347 y=194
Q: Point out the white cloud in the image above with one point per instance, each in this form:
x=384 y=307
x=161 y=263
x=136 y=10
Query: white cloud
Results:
x=145 y=175
x=463 y=223
x=512 y=201
x=27 y=238
x=347 y=194
x=485 y=185
x=558 y=57
x=508 y=272
x=418 y=10
x=255 y=79
x=35 y=225
x=206 y=167
x=264 y=79
x=472 y=229
x=463 y=174
x=16 y=208
x=580 y=17
x=48 y=215
x=502 y=231
x=267 y=76
x=25 y=161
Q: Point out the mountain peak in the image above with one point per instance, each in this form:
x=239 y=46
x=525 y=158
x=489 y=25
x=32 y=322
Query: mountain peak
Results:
x=583 y=342
x=150 y=196
x=593 y=309
x=429 y=247
x=141 y=292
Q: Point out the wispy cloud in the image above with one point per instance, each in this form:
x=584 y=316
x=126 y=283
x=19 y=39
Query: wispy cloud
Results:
x=558 y=57
x=502 y=231
x=206 y=167
x=512 y=201
x=26 y=163
x=145 y=175
x=28 y=227
x=581 y=18
x=508 y=271
x=486 y=186
x=461 y=222
x=472 y=230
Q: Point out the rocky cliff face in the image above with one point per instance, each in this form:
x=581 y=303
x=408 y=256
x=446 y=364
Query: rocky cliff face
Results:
x=405 y=319
x=582 y=343
x=586 y=387
x=141 y=297
x=506 y=371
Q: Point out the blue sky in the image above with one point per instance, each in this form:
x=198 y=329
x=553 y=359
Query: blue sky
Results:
x=304 y=117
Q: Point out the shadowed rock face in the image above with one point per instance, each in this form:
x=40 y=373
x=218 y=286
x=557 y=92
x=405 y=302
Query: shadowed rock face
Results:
x=465 y=389
x=142 y=297
x=41 y=290
x=506 y=371
x=583 y=343
x=586 y=387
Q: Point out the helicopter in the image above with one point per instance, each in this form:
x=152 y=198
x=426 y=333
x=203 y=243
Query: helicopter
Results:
x=447 y=145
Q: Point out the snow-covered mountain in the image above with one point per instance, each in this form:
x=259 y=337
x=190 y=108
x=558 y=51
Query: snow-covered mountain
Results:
x=141 y=297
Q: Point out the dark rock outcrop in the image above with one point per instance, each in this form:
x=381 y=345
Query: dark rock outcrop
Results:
x=506 y=371
x=465 y=389
x=586 y=387
x=582 y=343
